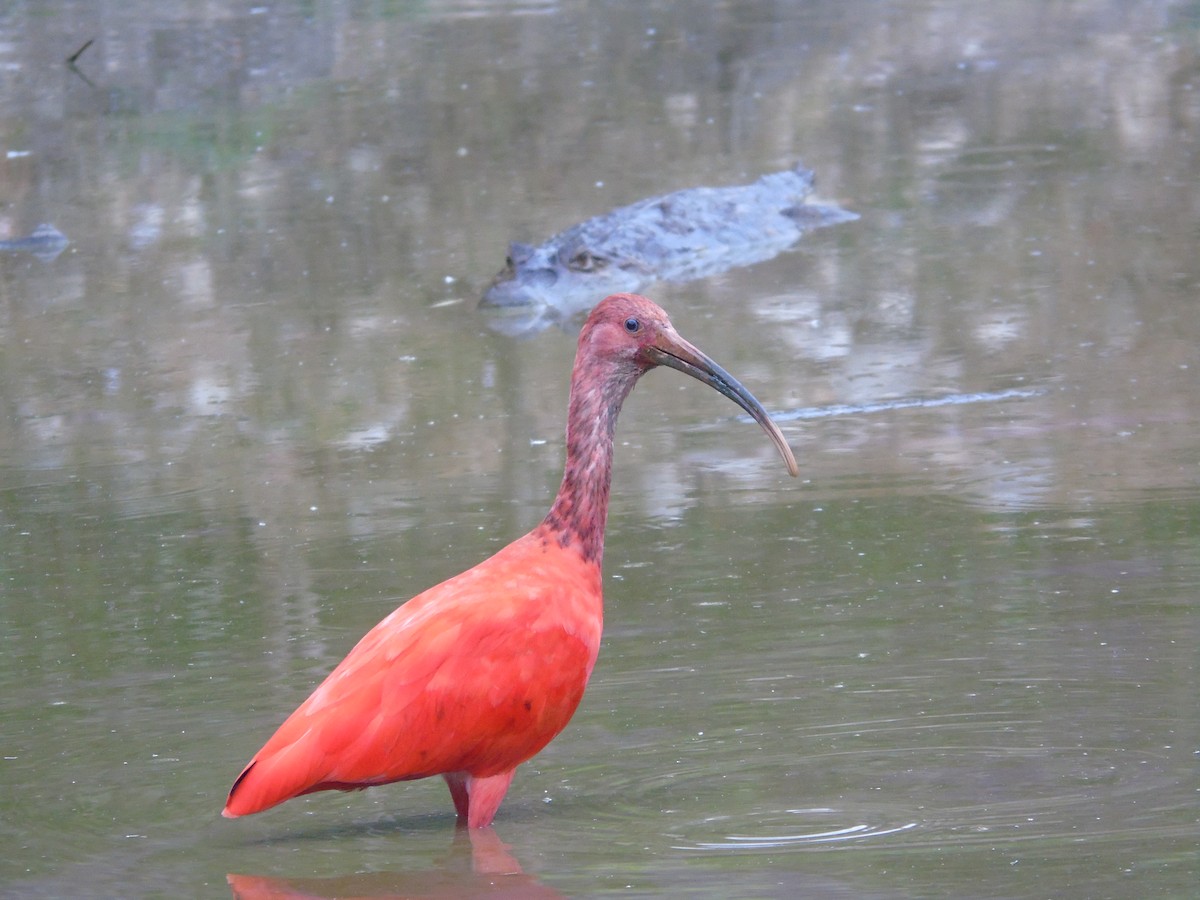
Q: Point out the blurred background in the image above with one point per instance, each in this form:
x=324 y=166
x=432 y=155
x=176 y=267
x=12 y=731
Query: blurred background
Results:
x=251 y=405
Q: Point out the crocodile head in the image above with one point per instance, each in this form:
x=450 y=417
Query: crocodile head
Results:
x=552 y=275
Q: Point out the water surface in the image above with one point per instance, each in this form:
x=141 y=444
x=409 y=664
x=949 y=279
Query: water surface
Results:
x=252 y=407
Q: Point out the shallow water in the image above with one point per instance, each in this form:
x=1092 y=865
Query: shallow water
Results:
x=252 y=407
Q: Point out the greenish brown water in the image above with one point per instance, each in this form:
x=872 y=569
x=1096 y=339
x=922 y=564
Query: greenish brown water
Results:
x=252 y=407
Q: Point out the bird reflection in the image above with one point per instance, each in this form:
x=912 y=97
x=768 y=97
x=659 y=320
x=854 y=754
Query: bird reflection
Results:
x=492 y=870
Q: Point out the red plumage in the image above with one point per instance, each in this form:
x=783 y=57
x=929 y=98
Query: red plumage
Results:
x=474 y=676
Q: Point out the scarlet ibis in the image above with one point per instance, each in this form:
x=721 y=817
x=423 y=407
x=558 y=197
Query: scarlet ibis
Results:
x=470 y=678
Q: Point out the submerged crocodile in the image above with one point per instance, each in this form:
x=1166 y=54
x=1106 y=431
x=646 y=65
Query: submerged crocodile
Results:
x=45 y=242
x=677 y=237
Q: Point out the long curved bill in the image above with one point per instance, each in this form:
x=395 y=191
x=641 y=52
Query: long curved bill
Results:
x=669 y=349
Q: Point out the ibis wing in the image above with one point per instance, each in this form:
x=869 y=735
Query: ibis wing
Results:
x=475 y=675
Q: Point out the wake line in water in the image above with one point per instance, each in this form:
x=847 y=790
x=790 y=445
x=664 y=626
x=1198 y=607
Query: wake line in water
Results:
x=744 y=842
x=848 y=409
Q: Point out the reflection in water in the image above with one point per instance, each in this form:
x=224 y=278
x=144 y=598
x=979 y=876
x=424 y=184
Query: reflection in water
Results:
x=492 y=871
x=45 y=242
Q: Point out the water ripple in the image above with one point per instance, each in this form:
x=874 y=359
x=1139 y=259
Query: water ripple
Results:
x=848 y=409
x=738 y=842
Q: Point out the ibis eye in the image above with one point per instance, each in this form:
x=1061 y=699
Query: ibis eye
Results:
x=632 y=325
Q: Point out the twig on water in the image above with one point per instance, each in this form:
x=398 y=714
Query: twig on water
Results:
x=74 y=56
x=71 y=60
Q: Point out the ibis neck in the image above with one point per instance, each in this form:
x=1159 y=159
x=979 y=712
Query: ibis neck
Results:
x=580 y=509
